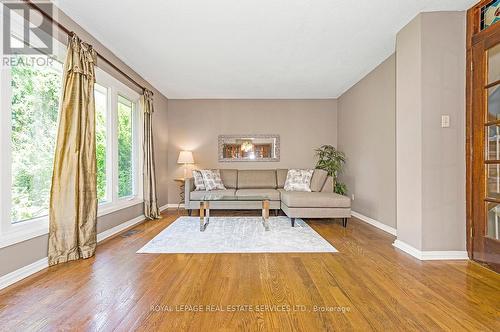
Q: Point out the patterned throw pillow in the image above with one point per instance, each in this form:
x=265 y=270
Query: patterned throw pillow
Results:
x=298 y=180
x=212 y=179
x=198 y=181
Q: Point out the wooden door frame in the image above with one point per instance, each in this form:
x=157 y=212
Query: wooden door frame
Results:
x=474 y=36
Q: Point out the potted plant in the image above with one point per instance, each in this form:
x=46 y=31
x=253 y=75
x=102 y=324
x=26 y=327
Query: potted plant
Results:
x=332 y=161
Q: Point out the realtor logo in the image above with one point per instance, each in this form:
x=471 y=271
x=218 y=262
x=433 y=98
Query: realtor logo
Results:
x=25 y=29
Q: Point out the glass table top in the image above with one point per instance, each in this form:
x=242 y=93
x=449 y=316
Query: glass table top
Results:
x=219 y=197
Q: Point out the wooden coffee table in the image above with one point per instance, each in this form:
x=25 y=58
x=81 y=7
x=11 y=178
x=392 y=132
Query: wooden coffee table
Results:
x=205 y=207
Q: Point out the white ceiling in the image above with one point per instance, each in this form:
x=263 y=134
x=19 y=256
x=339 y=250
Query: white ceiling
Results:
x=251 y=48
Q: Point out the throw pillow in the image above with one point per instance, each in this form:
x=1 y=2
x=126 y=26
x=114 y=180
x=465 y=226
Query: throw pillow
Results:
x=298 y=180
x=198 y=181
x=212 y=179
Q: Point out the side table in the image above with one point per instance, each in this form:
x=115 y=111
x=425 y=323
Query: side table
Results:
x=182 y=185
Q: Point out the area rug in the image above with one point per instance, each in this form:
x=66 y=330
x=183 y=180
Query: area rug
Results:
x=237 y=235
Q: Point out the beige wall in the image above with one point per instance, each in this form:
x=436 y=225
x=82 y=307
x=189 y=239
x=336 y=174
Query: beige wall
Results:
x=195 y=125
x=409 y=133
x=443 y=163
x=367 y=135
x=22 y=254
x=431 y=159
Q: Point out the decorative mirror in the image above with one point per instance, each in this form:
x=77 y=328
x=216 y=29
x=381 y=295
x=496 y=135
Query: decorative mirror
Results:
x=249 y=147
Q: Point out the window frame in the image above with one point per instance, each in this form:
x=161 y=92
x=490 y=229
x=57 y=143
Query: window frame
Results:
x=116 y=88
x=12 y=233
x=109 y=159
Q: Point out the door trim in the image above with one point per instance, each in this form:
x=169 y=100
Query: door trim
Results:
x=474 y=36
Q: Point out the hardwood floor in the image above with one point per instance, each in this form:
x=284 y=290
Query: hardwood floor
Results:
x=369 y=284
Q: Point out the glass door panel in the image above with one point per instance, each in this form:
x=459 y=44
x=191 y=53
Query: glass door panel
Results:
x=493 y=104
x=493 y=181
x=493 y=142
x=494 y=64
x=493 y=222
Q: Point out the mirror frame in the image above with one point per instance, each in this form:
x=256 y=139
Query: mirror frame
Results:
x=222 y=138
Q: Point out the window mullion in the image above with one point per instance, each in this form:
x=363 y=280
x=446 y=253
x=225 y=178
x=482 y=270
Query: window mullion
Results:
x=109 y=146
x=114 y=145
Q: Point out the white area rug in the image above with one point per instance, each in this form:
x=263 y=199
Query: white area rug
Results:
x=237 y=235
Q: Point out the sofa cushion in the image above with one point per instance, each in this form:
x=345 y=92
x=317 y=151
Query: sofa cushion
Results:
x=257 y=179
x=281 y=177
x=229 y=178
x=299 y=199
x=328 y=186
x=318 y=179
x=198 y=195
x=272 y=194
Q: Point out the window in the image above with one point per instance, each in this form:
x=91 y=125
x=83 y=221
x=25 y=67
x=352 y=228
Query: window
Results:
x=30 y=94
x=125 y=147
x=30 y=89
x=118 y=144
x=35 y=92
x=101 y=114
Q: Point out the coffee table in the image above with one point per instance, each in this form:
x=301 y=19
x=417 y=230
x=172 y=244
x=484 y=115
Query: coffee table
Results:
x=205 y=207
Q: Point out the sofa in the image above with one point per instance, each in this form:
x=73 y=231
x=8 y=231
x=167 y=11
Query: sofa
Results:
x=321 y=202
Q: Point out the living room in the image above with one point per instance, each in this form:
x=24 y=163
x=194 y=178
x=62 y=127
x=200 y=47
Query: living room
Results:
x=246 y=165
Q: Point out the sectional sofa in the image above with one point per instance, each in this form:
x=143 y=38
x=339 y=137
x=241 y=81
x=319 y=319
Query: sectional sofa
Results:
x=321 y=202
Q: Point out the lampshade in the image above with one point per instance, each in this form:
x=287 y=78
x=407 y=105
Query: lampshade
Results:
x=185 y=157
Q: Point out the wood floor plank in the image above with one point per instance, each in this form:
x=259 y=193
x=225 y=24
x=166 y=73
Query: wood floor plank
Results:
x=367 y=285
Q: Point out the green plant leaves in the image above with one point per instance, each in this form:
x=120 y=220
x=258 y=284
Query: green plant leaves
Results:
x=332 y=161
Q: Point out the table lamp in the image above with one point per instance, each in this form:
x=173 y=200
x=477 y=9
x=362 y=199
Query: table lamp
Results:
x=185 y=157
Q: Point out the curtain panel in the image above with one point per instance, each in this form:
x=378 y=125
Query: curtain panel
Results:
x=151 y=210
x=73 y=195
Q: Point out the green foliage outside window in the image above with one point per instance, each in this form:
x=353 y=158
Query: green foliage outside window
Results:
x=35 y=105
x=101 y=103
x=125 y=177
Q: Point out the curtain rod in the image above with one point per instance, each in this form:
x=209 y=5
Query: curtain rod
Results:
x=68 y=32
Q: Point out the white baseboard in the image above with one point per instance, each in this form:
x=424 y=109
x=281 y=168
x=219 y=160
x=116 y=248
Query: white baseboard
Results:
x=119 y=228
x=373 y=222
x=23 y=272
x=43 y=263
x=163 y=208
x=174 y=206
x=430 y=255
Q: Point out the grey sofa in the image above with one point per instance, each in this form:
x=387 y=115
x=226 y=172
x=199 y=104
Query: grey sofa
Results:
x=322 y=202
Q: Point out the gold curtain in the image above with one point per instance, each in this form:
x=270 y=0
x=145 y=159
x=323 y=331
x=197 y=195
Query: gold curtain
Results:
x=151 y=210
x=73 y=195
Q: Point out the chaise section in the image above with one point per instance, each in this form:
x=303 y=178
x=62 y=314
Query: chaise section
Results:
x=315 y=205
x=314 y=200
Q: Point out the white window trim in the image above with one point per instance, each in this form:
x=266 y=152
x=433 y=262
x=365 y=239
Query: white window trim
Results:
x=12 y=233
x=115 y=88
x=18 y=232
